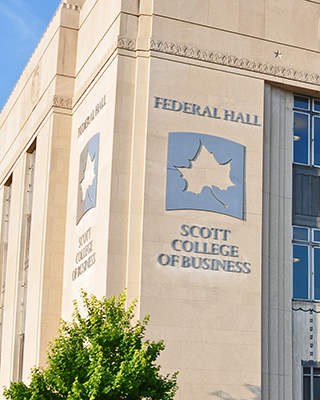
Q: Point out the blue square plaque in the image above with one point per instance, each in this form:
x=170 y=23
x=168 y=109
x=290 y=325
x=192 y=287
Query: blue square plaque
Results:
x=205 y=172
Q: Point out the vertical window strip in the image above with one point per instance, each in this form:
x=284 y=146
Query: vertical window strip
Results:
x=24 y=268
x=25 y=265
x=306 y=263
x=311 y=383
x=4 y=252
x=306 y=131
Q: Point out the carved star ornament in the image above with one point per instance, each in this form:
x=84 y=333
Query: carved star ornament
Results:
x=278 y=54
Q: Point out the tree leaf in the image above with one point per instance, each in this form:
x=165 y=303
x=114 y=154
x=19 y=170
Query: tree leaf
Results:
x=101 y=356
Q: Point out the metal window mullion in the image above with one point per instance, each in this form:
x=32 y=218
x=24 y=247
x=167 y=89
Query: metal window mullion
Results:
x=310 y=197
x=311 y=272
x=305 y=112
x=313 y=245
x=303 y=382
x=311 y=382
x=311 y=115
x=312 y=139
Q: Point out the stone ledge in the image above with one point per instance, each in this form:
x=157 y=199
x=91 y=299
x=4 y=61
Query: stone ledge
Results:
x=233 y=61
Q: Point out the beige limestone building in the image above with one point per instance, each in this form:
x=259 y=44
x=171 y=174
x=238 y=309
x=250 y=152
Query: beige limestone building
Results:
x=171 y=147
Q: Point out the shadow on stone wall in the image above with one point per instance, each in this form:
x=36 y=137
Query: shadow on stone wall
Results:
x=255 y=391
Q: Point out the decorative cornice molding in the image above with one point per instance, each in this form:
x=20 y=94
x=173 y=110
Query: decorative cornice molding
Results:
x=306 y=171
x=298 y=217
x=306 y=220
x=62 y=102
x=310 y=363
x=71 y=6
x=126 y=43
x=233 y=61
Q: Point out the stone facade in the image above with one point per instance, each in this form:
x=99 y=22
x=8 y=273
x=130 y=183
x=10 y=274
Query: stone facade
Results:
x=148 y=145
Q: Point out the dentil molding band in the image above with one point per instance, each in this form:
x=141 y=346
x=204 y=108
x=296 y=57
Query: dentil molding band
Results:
x=71 y=6
x=233 y=61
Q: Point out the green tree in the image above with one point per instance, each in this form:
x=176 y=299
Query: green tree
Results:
x=100 y=356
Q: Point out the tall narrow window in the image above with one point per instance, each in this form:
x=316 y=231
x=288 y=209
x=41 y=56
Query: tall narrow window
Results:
x=306 y=220
x=4 y=250
x=311 y=381
x=306 y=263
x=306 y=131
x=24 y=265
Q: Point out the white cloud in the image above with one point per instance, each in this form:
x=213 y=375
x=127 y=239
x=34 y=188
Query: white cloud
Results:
x=25 y=24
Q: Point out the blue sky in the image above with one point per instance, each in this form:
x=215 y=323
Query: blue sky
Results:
x=22 y=24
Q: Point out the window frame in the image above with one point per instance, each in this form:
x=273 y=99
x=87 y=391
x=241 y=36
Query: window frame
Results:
x=311 y=112
x=311 y=365
x=311 y=273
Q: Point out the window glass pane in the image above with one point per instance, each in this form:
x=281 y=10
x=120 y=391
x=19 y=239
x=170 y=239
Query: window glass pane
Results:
x=316 y=371
x=316 y=105
x=301 y=102
x=301 y=233
x=316 y=235
x=316 y=141
x=316 y=388
x=300 y=272
x=306 y=388
x=316 y=261
x=306 y=370
x=301 y=138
